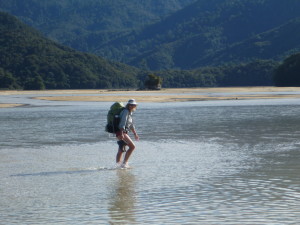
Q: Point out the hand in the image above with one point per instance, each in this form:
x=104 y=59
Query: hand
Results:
x=137 y=138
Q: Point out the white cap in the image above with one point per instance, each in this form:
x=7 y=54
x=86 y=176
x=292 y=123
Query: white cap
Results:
x=132 y=102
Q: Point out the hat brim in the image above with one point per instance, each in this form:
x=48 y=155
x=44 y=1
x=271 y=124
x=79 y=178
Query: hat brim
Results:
x=132 y=102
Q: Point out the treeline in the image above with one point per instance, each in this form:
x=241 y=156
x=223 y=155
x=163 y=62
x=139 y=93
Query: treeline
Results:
x=255 y=73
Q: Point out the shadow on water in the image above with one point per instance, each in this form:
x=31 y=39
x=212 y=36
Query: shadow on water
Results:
x=66 y=172
x=123 y=199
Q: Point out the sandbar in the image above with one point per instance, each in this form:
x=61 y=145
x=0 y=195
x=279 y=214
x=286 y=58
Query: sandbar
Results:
x=4 y=105
x=177 y=94
x=164 y=95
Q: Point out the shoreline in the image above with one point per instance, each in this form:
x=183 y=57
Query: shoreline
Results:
x=164 y=90
x=164 y=95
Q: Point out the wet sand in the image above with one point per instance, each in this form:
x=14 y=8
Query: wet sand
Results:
x=9 y=105
x=164 y=95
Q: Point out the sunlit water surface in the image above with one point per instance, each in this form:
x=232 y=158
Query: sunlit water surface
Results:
x=227 y=162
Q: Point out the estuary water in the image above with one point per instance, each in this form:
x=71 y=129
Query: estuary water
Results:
x=212 y=162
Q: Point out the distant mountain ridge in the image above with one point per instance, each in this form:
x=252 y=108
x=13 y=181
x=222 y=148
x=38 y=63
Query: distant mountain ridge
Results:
x=65 y=20
x=193 y=36
x=196 y=33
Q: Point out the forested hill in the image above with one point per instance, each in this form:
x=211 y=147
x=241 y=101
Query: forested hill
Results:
x=77 y=23
x=199 y=33
x=196 y=33
x=30 y=61
x=277 y=43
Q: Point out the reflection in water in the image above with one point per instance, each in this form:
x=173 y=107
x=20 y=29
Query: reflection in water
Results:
x=122 y=203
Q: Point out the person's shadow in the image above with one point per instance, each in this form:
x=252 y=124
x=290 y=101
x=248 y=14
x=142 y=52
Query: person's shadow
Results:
x=122 y=205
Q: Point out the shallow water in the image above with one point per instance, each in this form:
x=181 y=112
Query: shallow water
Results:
x=215 y=162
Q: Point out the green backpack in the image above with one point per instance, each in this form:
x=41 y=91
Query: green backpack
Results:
x=113 y=117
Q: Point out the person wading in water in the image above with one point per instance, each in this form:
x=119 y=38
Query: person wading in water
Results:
x=126 y=125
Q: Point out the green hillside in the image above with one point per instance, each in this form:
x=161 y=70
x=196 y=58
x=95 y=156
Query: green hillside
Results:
x=168 y=34
x=196 y=35
x=210 y=43
x=277 y=44
x=88 y=24
x=30 y=61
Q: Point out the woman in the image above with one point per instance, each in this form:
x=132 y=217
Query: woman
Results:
x=126 y=125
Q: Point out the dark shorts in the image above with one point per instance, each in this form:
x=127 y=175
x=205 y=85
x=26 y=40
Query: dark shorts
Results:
x=122 y=144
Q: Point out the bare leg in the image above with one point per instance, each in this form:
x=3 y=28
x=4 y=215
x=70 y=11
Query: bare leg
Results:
x=121 y=150
x=119 y=156
x=131 y=146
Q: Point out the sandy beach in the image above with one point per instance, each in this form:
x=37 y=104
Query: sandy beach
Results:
x=164 y=95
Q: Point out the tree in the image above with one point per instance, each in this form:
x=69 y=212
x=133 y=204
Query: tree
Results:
x=34 y=83
x=7 y=80
x=153 y=82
